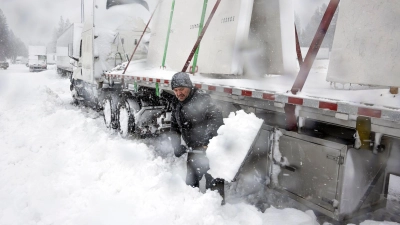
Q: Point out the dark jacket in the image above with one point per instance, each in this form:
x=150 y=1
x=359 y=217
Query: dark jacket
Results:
x=197 y=119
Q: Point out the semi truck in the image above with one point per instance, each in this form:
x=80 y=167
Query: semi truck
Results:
x=67 y=49
x=331 y=133
x=37 y=60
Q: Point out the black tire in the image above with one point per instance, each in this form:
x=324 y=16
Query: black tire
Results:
x=127 y=107
x=108 y=112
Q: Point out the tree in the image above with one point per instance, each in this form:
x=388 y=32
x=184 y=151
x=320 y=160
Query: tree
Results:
x=58 y=31
x=4 y=36
x=10 y=45
x=67 y=24
x=308 y=33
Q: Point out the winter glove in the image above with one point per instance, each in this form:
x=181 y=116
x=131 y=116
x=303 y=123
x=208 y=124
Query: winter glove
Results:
x=179 y=151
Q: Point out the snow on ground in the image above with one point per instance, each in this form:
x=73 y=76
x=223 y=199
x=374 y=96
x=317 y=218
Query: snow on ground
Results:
x=230 y=146
x=60 y=165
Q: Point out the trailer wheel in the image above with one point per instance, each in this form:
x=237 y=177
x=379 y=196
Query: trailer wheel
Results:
x=127 y=109
x=107 y=112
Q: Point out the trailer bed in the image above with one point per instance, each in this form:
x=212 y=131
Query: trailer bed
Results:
x=375 y=102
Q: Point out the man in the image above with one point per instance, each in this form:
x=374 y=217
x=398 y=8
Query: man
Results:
x=196 y=119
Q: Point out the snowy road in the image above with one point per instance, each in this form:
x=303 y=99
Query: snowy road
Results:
x=60 y=165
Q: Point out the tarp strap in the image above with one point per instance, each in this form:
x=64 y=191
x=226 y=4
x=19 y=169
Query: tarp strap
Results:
x=196 y=54
x=187 y=63
x=168 y=33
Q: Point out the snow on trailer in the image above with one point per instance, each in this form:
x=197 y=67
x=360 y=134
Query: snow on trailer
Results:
x=328 y=145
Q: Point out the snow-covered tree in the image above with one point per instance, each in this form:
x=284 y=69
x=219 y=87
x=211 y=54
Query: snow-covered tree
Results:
x=58 y=31
x=10 y=45
x=4 y=36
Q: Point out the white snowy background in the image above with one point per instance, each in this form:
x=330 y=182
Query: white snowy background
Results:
x=60 y=165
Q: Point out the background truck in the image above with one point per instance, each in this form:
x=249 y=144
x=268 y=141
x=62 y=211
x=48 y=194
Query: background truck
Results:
x=67 y=49
x=37 y=58
x=332 y=148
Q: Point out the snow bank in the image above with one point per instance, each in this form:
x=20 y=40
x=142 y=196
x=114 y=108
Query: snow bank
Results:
x=370 y=222
x=227 y=151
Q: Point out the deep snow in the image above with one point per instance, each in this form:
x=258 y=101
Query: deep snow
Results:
x=60 y=165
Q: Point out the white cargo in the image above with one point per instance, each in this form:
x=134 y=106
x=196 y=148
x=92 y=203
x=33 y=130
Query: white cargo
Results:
x=368 y=61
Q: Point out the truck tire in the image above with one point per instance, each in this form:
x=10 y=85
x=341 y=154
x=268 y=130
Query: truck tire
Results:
x=107 y=112
x=127 y=108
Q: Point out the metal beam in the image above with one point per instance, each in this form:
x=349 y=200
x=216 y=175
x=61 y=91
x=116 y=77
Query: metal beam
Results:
x=298 y=49
x=314 y=47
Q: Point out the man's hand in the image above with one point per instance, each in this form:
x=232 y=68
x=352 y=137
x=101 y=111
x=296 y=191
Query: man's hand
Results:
x=179 y=151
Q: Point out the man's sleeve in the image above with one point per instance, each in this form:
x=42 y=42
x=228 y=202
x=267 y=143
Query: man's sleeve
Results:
x=214 y=118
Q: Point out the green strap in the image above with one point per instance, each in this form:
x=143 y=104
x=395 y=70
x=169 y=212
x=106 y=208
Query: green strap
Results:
x=157 y=90
x=203 y=15
x=135 y=86
x=169 y=31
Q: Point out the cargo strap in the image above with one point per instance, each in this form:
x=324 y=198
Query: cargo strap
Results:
x=203 y=14
x=187 y=63
x=144 y=31
x=168 y=33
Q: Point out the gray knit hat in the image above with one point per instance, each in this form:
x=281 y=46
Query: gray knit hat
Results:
x=181 y=79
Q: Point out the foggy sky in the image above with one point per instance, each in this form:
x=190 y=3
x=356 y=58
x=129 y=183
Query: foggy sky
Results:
x=33 y=21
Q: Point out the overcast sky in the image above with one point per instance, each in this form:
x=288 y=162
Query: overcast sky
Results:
x=34 y=20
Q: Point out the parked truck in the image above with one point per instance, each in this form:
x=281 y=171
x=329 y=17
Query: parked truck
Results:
x=37 y=58
x=332 y=144
x=67 y=49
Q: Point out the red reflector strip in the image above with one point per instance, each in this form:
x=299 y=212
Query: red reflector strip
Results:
x=144 y=78
x=166 y=81
x=212 y=88
x=198 y=86
x=369 y=112
x=269 y=96
x=228 y=90
x=246 y=93
x=328 y=105
x=296 y=101
x=137 y=78
x=158 y=80
x=151 y=79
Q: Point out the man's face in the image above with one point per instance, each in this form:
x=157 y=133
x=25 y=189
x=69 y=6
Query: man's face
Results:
x=181 y=93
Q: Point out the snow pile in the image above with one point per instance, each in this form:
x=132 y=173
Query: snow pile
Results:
x=370 y=222
x=227 y=151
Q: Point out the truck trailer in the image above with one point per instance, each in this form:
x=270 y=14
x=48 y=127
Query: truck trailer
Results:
x=67 y=49
x=334 y=127
x=37 y=58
